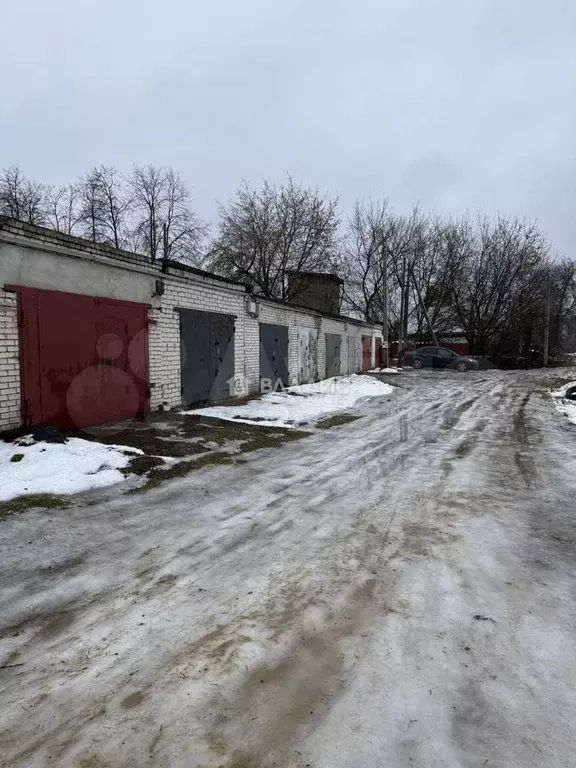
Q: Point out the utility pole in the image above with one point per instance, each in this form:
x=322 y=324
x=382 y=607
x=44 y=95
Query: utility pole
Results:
x=385 y=358
x=547 y=322
x=406 y=301
x=165 y=240
x=401 y=323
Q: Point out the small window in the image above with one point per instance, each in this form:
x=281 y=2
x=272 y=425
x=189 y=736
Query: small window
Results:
x=426 y=351
x=446 y=353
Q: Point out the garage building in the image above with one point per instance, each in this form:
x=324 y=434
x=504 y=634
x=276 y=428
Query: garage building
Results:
x=90 y=334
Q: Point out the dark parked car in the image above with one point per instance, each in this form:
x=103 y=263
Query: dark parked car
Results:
x=439 y=357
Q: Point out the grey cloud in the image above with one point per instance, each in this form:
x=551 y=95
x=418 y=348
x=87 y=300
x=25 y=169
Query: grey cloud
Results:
x=458 y=105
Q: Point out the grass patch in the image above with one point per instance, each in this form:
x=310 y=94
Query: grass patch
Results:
x=153 y=442
x=17 y=457
x=221 y=431
x=157 y=476
x=42 y=500
x=194 y=438
x=271 y=440
x=250 y=439
x=235 y=401
x=140 y=465
x=337 y=420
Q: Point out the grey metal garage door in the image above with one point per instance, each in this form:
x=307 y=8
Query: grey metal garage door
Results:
x=307 y=355
x=207 y=351
x=333 y=344
x=274 y=353
x=354 y=354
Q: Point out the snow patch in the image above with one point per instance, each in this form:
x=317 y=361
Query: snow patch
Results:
x=302 y=403
x=566 y=407
x=385 y=370
x=61 y=468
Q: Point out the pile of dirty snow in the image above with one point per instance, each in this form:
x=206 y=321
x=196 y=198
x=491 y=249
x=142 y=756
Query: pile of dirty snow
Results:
x=28 y=467
x=567 y=407
x=303 y=403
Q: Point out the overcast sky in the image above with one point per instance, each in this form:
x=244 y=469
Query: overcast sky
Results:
x=457 y=104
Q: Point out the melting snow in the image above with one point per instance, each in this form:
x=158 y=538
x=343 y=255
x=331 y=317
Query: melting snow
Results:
x=567 y=407
x=303 y=403
x=70 y=467
x=385 y=370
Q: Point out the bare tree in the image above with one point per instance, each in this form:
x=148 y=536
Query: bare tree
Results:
x=563 y=305
x=21 y=198
x=92 y=207
x=166 y=226
x=114 y=204
x=497 y=271
x=490 y=276
x=148 y=188
x=104 y=206
x=363 y=262
x=556 y=282
x=182 y=231
x=484 y=277
x=432 y=263
x=62 y=211
x=264 y=234
x=378 y=238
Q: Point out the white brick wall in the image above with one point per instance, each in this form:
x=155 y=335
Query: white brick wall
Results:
x=346 y=329
x=10 y=412
x=191 y=292
x=36 y=258
x=164 y=351
x=277 y=314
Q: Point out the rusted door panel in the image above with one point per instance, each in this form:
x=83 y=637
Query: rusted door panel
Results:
x=67 y=359
x=366 y=352
x=84 y=360
x=31 y=391
x=121 y=350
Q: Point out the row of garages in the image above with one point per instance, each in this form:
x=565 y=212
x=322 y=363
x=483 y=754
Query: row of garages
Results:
x=344 y=354
x=89 y=335
x=208 y=362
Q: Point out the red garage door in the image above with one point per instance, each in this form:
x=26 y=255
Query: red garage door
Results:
x=84 y=360
x=366 y=352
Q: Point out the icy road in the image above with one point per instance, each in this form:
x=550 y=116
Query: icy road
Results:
x=400 y=591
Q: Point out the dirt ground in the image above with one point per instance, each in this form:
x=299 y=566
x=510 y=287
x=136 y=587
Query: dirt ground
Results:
x=395 y=591
x=192 y=439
